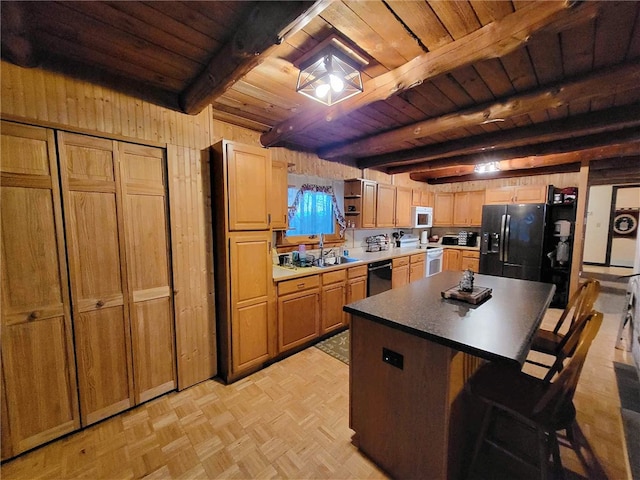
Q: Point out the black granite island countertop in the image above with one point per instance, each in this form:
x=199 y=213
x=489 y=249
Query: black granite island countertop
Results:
x=498 y=329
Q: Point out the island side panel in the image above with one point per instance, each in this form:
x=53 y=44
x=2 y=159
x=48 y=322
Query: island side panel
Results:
x=400 y=416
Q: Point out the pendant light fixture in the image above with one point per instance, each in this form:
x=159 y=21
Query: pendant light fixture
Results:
x=330 y=72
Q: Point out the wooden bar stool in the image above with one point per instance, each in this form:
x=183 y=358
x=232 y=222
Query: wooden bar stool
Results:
x=541 y=406
x=551 y=342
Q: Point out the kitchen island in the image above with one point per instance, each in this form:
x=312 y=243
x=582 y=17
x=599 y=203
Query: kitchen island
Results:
x=411 y=354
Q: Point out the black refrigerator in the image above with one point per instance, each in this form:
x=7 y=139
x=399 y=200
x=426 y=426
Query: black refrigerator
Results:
x=511 y=240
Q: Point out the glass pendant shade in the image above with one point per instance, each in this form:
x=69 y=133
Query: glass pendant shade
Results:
x=330 y=77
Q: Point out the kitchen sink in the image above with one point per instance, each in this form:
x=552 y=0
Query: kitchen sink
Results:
x=338 y=261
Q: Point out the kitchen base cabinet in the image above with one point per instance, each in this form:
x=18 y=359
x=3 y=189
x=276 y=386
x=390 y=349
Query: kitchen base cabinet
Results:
x=416 y=267
x=451 y=259
x=400 y=272
x=334 y=296
x=470 y=260
x=39 y=391
x=251 y=299
x=298 y=312
x=356 y=283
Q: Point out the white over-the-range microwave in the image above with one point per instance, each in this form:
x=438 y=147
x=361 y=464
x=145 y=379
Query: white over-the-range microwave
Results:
x=422 y=217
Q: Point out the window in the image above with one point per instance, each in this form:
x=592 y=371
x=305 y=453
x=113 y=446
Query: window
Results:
x=313 y=209
x=314 y=213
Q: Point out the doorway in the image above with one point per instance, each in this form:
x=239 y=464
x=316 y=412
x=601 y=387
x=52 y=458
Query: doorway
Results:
x=611 y=230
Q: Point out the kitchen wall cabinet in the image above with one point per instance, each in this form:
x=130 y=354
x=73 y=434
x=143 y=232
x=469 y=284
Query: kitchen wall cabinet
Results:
x=403 y=207
x=470 y=260
x=356 y=283
x=118 y=242
x=516 y=194
x=248 y=173
x=443 y=209
x=385 y=206
x=416 y=267
x=467 y=208
x=369 y=204
x=376 y=205
x=298 y=311
x=279 y=195
x=245 y=298
x=400 y=272
x=451 y=259
x=39 y=392
x=334 y=296
x=421 y=198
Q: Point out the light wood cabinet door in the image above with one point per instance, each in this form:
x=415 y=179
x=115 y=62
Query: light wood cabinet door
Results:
x=461 y=209
x=530 y=194
x=251 y=298
x=357 y=289
x=94 y=227
x=403 y=207
x=516 y=194
x=149 y=276
x=400 y=272
x=249 y=185
x=298 y=318
x=467 y=210
x=416 y=266
x=451 y=259
x=334 y=297
x=386 y=206
x=279 y=195
x=470 y=260
x=476 y=201
x=443 y=209
x=368 y=204
x=39 y=392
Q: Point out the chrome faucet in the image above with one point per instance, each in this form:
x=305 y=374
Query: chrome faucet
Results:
x=321 y=245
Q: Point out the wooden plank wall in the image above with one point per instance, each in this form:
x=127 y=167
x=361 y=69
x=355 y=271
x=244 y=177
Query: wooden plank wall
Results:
x=49 y=99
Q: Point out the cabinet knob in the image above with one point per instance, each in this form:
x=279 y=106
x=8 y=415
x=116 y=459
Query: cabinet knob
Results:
x=175 y=292
x=33 y=315
x=100 y=303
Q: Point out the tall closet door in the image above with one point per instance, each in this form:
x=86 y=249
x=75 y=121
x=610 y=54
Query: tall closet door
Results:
x=39 y=392
x=89 y=174
x=150 y=294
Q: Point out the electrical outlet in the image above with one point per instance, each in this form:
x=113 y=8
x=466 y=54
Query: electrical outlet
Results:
x=392 y=358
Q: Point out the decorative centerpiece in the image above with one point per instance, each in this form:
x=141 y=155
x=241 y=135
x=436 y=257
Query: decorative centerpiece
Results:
x=466 y=282
x=466 y=291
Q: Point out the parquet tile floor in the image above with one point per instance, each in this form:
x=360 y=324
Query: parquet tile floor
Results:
x=289 y=420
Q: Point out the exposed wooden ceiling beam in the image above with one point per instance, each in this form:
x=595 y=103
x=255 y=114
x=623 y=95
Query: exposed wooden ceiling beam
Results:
x=587 y=124
x=528 y=165
x=491 y=41
x=565 y=168
x=265 y=27
x=600 y=140
x=601 y=83
x=17 y=46
x=609 y=141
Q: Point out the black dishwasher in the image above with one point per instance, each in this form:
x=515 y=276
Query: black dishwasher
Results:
x=379 y=277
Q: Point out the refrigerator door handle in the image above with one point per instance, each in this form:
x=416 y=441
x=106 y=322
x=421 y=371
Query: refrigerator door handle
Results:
x=506 y=238
x=502 y=227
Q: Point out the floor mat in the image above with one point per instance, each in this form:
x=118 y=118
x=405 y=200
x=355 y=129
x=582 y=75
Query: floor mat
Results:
x=629 y=391
x=336 y=346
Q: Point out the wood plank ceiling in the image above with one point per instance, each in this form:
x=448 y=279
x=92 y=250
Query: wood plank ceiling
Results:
x=537 y=86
